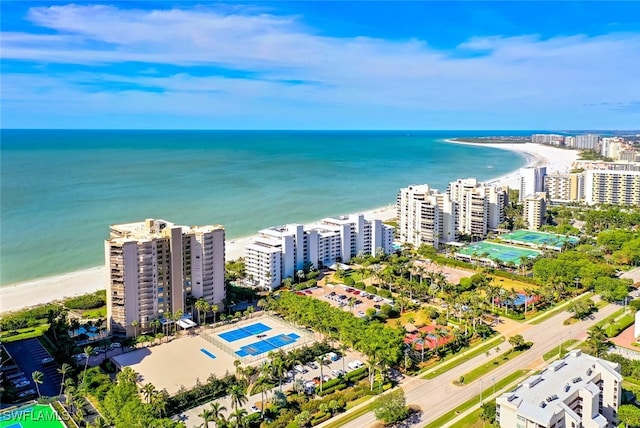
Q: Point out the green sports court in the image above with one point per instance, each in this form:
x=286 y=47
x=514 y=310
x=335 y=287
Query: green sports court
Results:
x=32 y=416
x=502 y=253
x=537 y=239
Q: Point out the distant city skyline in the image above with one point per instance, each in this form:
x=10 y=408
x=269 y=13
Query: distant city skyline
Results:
x=320 y=65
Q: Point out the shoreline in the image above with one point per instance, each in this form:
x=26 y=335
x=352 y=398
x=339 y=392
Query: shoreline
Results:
x=55 y=288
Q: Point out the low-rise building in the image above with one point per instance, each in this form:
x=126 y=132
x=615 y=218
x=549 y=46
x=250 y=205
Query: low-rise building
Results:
x=576 y=391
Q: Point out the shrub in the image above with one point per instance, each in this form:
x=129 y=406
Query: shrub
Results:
x=319 y=419
x=349 y=281
x=356 y=374
x=359 y=285
x=384 y=293
x=371 y=289
x=87 y=301
x=327 y=391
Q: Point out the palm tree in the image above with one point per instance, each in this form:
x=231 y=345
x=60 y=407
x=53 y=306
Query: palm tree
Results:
x=88 y=350
x=135 y=324
x=238 y=396
x=200 y=306
x=64 y=370
x=239 y=415
x=423 y=336
x=38 y=379
x=207 y=416
x=217 y=410
x=214 y=309
x=320 y=361
x=148 y=390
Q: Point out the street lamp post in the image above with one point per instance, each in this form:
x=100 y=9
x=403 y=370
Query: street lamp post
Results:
x=481 y=388
x=493 y=379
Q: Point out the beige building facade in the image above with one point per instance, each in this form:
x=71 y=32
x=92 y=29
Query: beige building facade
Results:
x=155 y=266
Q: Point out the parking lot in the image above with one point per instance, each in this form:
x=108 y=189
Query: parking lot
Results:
x=29 y=356
x=338 y=295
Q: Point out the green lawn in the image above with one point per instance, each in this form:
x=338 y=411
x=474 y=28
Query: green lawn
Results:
x=95 y=313
x=482 y=348
x=502 y=383
x=24 y=333
x=38 y=416
x=472 y=420
x=340 y=421
x=482 y=370
x=555 y=351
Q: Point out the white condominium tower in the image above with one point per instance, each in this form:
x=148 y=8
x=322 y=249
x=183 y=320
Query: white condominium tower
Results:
x=587 y=142
x=280 y=252
x=576 y=391
x=154 y=266
x=531 y=181
x=612 y=187
x=426 y=216
x=480 y=208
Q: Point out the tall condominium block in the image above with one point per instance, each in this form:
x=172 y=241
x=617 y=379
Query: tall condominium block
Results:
x=587 y=142
x=531 y=180
x=612 y=187
x=426 y=216
x=576 y=391
x=280 y=252
x=564 y=188
x=535 y=210
x=552 y=139
x=480 y=208
x=154 y=266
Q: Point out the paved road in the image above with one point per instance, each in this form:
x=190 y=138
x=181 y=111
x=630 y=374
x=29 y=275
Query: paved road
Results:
x=439 y=395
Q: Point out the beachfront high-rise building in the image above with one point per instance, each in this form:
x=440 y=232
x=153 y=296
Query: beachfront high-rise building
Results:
x=613 y=187
x=587 y=142
x=570 y=142
x=426 y=216
x=535 y=210
x=531 y=180
x=280 y=252
x=154 y=266
x=551 y=139
x=564 y=188
x=576 y=391
x=479 y=207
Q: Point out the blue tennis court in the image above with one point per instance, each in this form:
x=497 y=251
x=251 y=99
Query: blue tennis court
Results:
x=267 y=345
x=244 y=332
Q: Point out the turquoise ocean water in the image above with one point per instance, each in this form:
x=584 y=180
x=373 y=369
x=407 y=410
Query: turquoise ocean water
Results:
x=60 y=190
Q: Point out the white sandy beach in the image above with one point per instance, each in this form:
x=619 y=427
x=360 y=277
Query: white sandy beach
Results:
x=53 y=288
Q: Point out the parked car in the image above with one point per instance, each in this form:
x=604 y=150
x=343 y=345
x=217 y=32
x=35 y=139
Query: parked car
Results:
x=254 y=409
x=370 y=296
x=47 y=360
x=300 y=369
x=361 y=314
x=377 y=299
x=312 y=365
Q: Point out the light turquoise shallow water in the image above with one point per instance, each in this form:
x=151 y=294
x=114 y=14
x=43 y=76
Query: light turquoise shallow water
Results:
x=60 y=190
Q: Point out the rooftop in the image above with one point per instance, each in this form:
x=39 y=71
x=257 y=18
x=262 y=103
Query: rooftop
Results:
x=540 y=395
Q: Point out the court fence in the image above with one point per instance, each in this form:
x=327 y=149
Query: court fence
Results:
x=211 y=335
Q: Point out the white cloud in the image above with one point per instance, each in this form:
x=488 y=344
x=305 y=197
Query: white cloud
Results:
x=523 y=74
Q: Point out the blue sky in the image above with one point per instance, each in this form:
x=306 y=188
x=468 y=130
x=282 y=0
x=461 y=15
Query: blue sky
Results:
x=321 y=65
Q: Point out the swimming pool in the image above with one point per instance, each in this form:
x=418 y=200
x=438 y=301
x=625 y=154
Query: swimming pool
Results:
x=207 y=353
x=267 y=345
x=244 y=332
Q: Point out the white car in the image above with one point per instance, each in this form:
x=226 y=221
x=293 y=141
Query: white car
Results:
x=254 y=409
x=47 y=360
x=377 y=299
